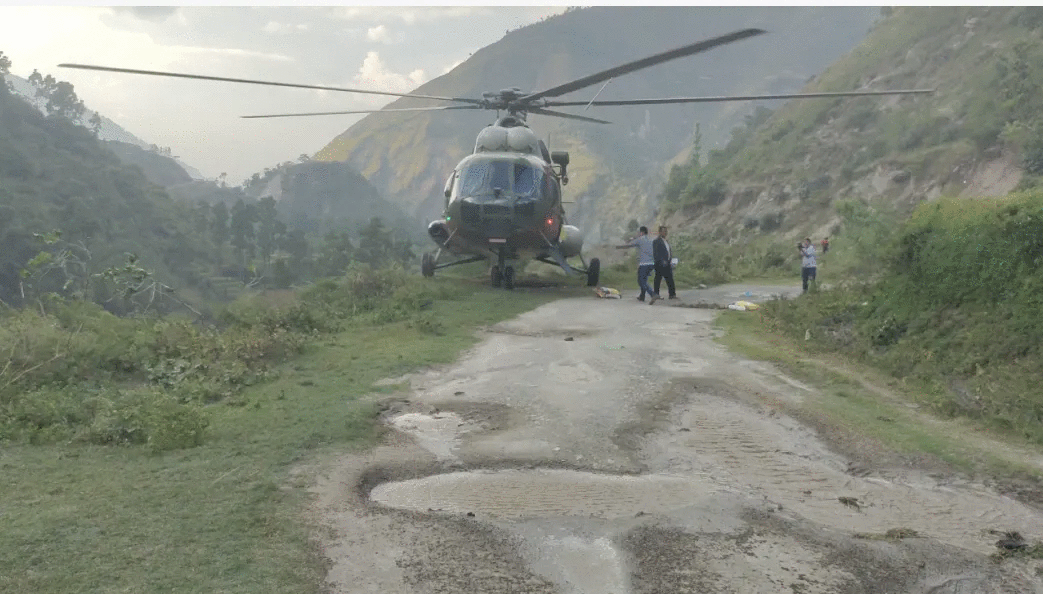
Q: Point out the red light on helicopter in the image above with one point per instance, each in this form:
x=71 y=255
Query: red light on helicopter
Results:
x=550 y=222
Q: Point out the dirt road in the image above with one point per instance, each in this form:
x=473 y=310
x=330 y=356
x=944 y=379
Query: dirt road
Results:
x=608 y=446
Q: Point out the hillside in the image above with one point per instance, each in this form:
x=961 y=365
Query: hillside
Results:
x=975 y=136
x=617 y=170
x=57 y=176
x=108 y=130
x=317 y=197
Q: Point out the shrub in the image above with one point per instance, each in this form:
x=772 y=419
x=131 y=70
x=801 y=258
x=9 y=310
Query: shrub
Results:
x=147 y=417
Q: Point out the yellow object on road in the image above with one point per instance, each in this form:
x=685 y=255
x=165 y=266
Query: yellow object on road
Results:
x=743 y=306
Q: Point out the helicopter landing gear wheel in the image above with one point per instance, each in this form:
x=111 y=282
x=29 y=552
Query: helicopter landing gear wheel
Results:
x=593 y=272
x=495 y=276
x=508 y=278
x=427 y=265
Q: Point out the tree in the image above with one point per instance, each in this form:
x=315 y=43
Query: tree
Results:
x=61 y=267
x=60 y=95
x=201 y=218
x=241 y=228
x=5 y=69
x=336 y=253
x=696 y=158
x=219 y=227
x=375 y=244
x=296 y=246
x=269 y=228
x=95 y=123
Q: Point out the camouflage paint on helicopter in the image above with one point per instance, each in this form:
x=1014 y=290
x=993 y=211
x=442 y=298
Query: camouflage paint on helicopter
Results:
x=504 y=203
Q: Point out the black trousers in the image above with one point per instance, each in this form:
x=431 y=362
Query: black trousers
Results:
x=667 y=272
x=807 y=274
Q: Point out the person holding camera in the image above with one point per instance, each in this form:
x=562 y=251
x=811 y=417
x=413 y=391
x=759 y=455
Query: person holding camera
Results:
x=807 y=263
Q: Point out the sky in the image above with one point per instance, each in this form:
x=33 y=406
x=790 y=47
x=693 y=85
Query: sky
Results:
x=385 y=48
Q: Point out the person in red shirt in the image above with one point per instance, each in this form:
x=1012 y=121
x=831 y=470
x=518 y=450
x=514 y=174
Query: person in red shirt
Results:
x=825 y=245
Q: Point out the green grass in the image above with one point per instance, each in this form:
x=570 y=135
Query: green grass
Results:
x=846 y=399
x=225 y=516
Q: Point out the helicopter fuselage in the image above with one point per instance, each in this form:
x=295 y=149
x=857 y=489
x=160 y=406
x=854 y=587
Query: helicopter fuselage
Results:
x=504 y=204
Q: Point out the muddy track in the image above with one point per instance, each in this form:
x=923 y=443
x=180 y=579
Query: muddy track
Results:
x=608 y=446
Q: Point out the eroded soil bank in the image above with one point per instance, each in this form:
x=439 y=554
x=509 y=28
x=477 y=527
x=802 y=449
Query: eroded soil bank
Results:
x=597 y=446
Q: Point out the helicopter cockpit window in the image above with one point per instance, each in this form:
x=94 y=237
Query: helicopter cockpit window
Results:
x=527 y=180
x=473 y=179
x=483 y=179
x=550 y=188
x=501 y=177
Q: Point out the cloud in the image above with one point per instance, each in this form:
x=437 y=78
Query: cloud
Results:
x=409 y=15
x=274 y=27
x=373 y=74
x=378 y=34
x=155 y=14
x=450 y=67
x=277 y=27
x=232 y=52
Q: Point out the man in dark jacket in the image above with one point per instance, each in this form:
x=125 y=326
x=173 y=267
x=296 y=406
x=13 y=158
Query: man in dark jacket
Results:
x=664 y=264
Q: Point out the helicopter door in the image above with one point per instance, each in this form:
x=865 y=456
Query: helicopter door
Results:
x=449 y=188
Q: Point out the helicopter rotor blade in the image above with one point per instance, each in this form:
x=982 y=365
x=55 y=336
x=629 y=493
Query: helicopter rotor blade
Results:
x=629 y=67
x=328 y=113
x=560 y=114
x=263 y=82
x=665 y=101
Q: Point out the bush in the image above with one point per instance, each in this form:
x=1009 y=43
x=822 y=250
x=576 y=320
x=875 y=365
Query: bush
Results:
x=147 y=417
x=60 y=368
x=958 y=275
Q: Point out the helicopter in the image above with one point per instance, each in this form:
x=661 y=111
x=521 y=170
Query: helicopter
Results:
x=503 y=202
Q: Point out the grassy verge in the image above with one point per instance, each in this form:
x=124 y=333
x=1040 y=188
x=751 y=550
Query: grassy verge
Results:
x=223 y=516
x=859 y=400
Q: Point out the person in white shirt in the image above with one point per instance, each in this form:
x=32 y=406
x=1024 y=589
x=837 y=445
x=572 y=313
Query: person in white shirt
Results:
x=807 y=263
x=645 y=262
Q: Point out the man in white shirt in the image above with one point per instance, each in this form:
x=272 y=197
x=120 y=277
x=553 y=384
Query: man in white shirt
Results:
x=807 y=263
x=645 y=262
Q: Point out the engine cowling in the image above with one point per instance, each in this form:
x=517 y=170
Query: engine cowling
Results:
x=439 y=232
x=570 y=241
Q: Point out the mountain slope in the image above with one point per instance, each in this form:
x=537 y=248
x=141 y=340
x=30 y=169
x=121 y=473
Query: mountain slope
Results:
x=317 y=197
x=57 y=176
x=109 y=131
x=975 y=136
x=617 y=169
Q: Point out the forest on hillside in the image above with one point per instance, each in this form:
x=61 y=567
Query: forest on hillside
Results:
x=77 y=221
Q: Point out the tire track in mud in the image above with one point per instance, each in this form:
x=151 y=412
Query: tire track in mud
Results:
x=772 y=457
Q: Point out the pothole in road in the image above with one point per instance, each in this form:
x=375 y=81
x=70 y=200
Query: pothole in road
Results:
x=438 y=433
x=543 y=493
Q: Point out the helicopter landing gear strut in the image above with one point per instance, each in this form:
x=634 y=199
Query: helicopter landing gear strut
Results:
x=502 y=273
x=427 y=265
x=593 y=272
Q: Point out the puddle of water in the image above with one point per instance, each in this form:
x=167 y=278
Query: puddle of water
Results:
x=517 y=494
x=438 y=434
